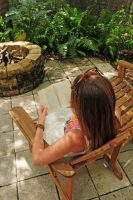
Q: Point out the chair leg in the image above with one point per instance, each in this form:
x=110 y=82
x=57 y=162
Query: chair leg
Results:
x=65 y=192
x=113 y=163
x=69 y=187
x=117 y=171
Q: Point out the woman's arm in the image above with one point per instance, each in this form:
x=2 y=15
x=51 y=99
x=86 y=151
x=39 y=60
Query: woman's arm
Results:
x=73 y=141
x=70 y=142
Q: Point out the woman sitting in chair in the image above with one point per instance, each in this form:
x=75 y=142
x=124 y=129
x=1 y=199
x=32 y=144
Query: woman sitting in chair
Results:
x=94 y=122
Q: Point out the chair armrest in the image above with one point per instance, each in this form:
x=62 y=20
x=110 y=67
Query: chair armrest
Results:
x=122 y=65
x=25 y=124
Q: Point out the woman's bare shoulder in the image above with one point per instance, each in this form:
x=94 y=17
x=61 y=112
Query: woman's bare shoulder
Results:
x=77 y=139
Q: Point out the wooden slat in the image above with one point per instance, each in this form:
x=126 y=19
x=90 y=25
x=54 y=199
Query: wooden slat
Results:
x=125 y=107
x=119 y=94
x=25 y=123
x=113 y=78
x=120 y=86
x=128 y=125
x=116 y=81
x=126 y=89
x=123 y=100
x=131 y=92
x=126 y=117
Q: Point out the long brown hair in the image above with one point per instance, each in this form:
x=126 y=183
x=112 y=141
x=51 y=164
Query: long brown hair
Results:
x=93 y=101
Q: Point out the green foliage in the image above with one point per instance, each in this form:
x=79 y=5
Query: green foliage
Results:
x=65 y=33
x=4 y=31
x=28 y=17
x=68 y=31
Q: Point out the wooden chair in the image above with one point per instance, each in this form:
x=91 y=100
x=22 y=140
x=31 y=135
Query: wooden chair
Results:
x=124 y=94
x=109 y=151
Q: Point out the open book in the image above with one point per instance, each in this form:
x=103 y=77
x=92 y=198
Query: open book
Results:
x=56 y=97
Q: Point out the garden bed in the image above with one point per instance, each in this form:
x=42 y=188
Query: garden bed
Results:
x=26 y=74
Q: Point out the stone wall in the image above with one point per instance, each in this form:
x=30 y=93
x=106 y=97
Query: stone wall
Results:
x=25 y=75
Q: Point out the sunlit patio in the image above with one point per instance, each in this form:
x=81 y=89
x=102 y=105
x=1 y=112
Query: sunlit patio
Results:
x=21 y=180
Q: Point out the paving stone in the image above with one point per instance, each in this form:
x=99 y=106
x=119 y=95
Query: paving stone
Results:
x=39 y=188
x=52 y=64
x=58 y=80
x=5 y=105
x=104 y=179
x=83 y=186
x=95 y=60
x=55 y=74
x=6 y=143
x=25 y=167
x=7 y=170
x=20 y=141
x=123 y=194
x=5 y=123
x=8 y=192
x=128 y=146
x=67 y=65
x=41 y=86
x=84 y=68
x=107 y=70
x=126 y=160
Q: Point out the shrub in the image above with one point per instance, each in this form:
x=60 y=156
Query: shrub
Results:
x=68 y=31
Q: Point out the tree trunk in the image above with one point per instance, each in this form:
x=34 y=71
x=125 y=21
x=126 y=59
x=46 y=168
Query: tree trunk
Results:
x=4 y=6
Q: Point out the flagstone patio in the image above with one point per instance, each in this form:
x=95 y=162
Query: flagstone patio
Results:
x=21 y=180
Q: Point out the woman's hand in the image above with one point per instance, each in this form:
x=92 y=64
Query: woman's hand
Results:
x=42 y=114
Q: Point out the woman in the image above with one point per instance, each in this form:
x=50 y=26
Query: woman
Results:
x=94 y=122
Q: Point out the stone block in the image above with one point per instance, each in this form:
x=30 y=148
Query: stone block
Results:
x=13 y=69
x=10 y=93
x=33 y=56
x=26 y=65
x=35 y=51
x=3 y=73
x=10 y=82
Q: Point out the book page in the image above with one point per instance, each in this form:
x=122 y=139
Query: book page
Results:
x=63 y=92
x=48 y=97
x=55 y=96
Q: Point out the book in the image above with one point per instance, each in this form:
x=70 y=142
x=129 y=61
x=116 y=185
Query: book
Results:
x=56 y=97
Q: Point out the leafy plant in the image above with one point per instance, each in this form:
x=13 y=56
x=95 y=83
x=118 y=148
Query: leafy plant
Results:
x=4 y=31
x=68 y=31
x=27 y=17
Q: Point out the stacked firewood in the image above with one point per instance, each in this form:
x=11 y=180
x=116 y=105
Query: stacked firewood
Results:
x=9 y=57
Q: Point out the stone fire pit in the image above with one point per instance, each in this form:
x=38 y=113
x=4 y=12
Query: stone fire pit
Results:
x=26 y=74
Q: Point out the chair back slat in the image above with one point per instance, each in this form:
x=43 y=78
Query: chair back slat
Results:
x=125 y=107
x=120 y=86
x=126 y=117
x=116 y=81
